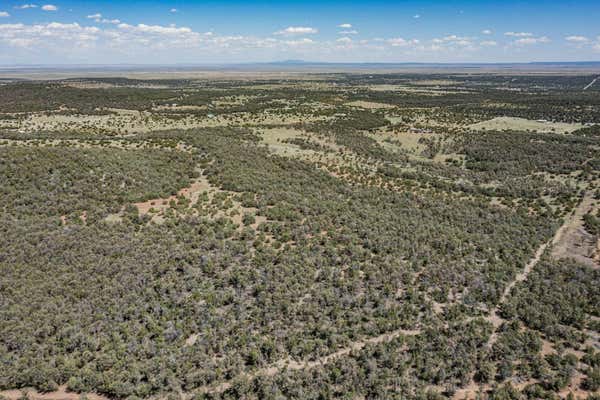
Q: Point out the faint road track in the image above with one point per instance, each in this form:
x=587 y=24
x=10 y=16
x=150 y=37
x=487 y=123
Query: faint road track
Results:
x=493 y=317
x=284 y=365
x=591 y=83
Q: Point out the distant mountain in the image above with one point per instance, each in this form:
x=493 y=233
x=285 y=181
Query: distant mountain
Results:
x=291 y=62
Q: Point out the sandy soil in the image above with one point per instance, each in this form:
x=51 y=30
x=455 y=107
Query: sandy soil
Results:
x=470 y=391
x=158 y=207
x=60 y=394
x=577 y=243
x=289 y=364
x=131 y=121
x=369 y=105
x=522 y=124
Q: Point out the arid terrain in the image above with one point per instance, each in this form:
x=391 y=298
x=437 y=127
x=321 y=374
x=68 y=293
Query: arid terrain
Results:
x=356 y=234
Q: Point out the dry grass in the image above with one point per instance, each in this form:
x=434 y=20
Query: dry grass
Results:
x=369 y=105
x=522 y=124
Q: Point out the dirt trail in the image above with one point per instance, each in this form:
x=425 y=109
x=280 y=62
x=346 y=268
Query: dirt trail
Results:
x=557 y=241
x=191 y=193
x=273 y=369
x=298 y=365
x=470 y=391
x=589 y=85
x=578 y=244
x=60 y=394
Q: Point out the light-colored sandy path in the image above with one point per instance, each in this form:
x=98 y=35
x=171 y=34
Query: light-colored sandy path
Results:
x=557 y=241
x=470 y=391
x=292 y=365
x=589 y=85
x=60 y=394
x=577 y=244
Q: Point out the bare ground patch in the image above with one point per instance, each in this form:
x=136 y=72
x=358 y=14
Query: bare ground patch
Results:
x=576 y=242
x=292 y=365
x=369 y=105
x=522 y=124
x=60 y=394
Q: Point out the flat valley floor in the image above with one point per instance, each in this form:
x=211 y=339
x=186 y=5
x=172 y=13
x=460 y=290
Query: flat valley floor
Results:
x=333 y=235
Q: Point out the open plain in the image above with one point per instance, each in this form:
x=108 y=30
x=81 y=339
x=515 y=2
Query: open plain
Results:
x=279 y=234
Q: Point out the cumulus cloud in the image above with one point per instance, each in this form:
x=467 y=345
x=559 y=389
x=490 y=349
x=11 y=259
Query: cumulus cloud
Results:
x=416 y=16
x=527 y=41
x=156 y=29
x=299 y=42
x=98 y=18
x=4 y=14
x=577 y=39
x=518 y=34
x=54 y=34
x=401 y=42
x=127 y=40
x=173 y=10
x=351 y=32
x=453 y=39
x=49 y=7
x=345 y=26
x=123 y=42
x=26 y=6
x=487 y=31
x=583 y=42
x=297 y=30
x=451 y=44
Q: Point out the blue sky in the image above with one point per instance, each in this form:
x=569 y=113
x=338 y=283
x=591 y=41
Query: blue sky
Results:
x=158 y=32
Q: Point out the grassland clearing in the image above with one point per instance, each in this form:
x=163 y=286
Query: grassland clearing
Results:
x=521 y=124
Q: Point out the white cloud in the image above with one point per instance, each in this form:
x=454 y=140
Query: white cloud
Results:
x=452 y=44
x=531 y=41
x=299 y=42
x=519 y=34
x=397 y=42
x=26 y=6
x=122 y=43
x=577 y=39
x=487 y=31
x=173 y=10
x=352 y=32
x=98 y=18
x=416 y=16
x=451 y=38
x=401 y=42
x=54 y=35
x=297 y=30
x=345 y=26
x=4 y=14
x=583 y=42
x=156 y=29
x=461 y=40
x=49 y=7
